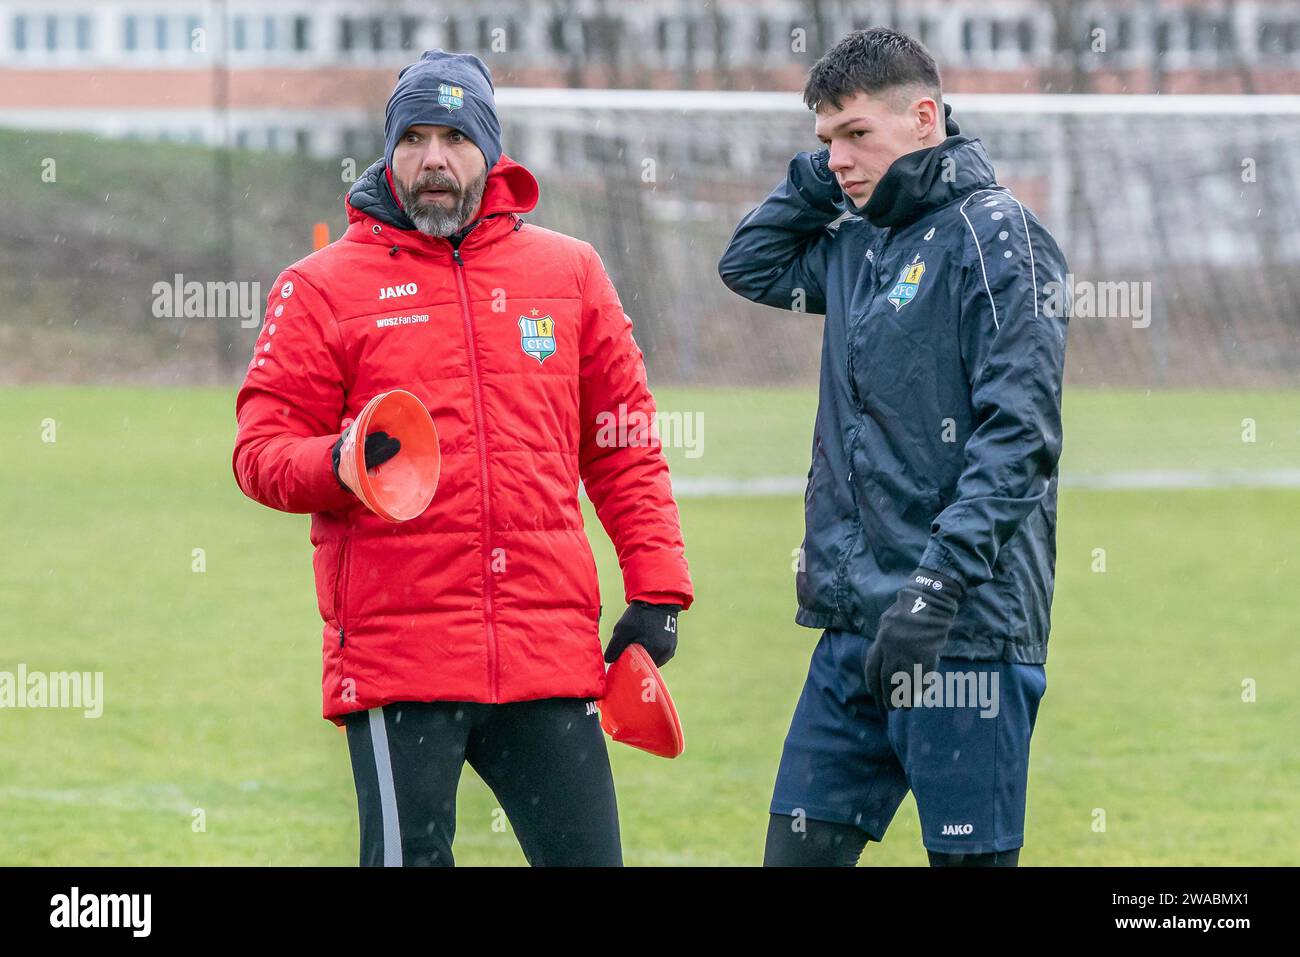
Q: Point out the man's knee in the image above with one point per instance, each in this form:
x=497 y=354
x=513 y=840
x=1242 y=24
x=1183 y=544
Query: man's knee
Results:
x=803 y=842
x=992 y=859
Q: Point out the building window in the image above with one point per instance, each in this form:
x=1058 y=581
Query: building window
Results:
x=1269 y=39
x=268 y=33
x=20 y=33
x=160 y=33
x=51 y=33
x=130 y=28
x=301 y=33
x=722 y=35
x=1124 y=33
x=1001 y=38
x=1025 y=36
x=1207 y=33
x=239 y=32
x=378 y=34
x=83 y=33
x=410 y=27
x=1210 y=33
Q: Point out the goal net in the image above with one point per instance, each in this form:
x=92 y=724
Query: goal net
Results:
x=1179 y=216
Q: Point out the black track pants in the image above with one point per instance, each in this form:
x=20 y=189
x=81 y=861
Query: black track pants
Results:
x=544 y=760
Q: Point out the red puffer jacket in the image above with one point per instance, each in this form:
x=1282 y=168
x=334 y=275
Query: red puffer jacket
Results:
x=490 y=595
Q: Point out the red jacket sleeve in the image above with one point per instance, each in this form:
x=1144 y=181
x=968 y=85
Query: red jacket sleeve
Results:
x=290 y=404
x=621 y=460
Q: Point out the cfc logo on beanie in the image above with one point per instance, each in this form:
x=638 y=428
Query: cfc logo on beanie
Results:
x=452 y=97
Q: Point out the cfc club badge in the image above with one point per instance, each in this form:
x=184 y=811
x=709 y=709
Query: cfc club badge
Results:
x=537 y=336
x=452 y=97
x=909 y=280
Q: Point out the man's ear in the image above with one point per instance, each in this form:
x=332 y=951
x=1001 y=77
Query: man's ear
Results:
x=928 y=117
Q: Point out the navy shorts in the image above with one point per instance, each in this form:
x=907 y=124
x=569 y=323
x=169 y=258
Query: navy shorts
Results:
x=965 y=756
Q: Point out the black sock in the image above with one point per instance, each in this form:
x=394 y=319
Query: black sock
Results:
x=803 y=842
x=992 y=859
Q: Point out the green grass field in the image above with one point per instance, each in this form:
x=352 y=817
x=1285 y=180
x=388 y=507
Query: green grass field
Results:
x=212 y=679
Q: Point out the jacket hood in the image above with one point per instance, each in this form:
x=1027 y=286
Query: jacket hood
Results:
x=927 y=179
x=510 y=190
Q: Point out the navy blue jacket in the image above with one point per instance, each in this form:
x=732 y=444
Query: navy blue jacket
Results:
x=939 y=418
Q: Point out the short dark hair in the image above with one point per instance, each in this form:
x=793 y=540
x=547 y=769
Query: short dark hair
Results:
x=870 y=61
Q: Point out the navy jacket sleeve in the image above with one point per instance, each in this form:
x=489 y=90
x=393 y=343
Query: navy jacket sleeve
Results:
x=777 y=255
x=1014 y=354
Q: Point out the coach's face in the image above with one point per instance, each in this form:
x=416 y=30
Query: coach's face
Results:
x=868 y=132
x=440 y=175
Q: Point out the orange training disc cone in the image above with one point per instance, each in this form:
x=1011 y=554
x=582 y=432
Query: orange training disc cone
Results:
x=401 y=488
x=637 y=709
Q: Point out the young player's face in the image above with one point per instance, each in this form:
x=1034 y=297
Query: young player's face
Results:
x=439 y=174
x=866 y=134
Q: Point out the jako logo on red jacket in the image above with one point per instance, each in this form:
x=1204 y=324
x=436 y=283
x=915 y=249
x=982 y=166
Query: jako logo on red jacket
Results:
x=406 y=289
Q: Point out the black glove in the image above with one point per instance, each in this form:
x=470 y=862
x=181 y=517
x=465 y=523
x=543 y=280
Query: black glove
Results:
x=812 y=178
x=653 y=627
x=821 y=161
x=913 y=630
x=380 y=447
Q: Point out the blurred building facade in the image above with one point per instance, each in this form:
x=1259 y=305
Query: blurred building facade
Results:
x=309 y=76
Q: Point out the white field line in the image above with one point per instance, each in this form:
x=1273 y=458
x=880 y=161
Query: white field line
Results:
x=152 y=797
x=1162 y=479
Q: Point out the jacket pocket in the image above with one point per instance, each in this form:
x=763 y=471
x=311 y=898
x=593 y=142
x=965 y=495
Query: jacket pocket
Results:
x=812 y=467
x=895 y=516
x=591 y=584
x=341 y=585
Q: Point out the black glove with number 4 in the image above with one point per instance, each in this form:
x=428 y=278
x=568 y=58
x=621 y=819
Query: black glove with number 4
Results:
x=912 y=631
x=653 y=627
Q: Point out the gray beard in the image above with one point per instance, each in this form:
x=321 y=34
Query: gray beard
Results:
x=432 y=218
